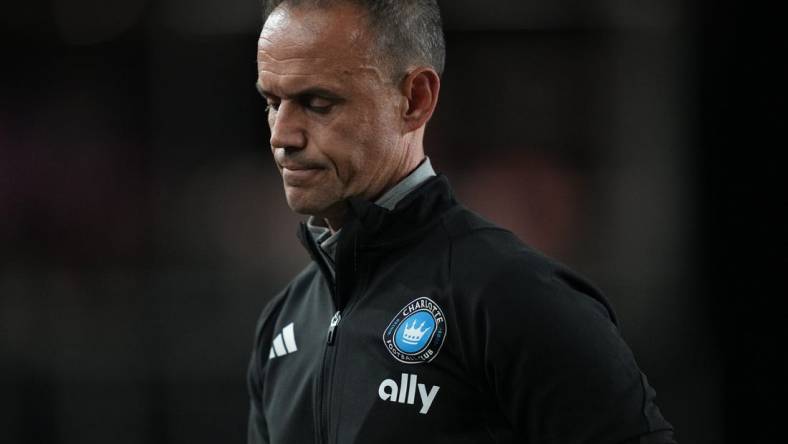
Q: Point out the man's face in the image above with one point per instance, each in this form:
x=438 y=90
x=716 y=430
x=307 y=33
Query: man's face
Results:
x=335 y=118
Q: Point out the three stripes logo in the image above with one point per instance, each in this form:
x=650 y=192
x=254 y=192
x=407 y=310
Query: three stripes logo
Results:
x=284 y=343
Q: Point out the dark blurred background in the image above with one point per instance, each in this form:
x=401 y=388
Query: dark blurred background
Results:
x=143 y=226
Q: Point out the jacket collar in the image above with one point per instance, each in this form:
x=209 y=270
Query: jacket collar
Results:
x=415 y=213
x=377 y=226
x=371 y=227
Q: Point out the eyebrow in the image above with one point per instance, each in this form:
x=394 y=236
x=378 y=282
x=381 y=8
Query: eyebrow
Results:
x=310 y=91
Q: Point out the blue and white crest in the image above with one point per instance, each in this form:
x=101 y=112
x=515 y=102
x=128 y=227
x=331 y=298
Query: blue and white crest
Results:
x=416 y=333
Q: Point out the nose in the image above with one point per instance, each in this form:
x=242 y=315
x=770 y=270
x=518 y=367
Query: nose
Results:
x=287 y=129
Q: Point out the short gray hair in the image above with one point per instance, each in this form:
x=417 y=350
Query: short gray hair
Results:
x=408 y=31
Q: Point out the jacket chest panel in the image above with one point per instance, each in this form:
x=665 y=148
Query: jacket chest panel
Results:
x=382 y=392
x=392 y=365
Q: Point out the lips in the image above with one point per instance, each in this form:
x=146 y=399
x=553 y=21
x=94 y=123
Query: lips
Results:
x=296 y=175
x=298 y=166
x=296 y=171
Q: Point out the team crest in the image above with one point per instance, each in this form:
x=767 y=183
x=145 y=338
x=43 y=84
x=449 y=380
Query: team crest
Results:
x=417 y=332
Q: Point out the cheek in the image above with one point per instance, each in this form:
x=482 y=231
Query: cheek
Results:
x=350 y=159
x=340 y=144
x=360 y=144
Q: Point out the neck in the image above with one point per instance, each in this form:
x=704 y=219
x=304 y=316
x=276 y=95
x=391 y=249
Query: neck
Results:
x=335 y=217
x=413 y=154
x=333 y=226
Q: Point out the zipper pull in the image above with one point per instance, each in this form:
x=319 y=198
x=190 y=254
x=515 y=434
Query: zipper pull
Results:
x=332 y=328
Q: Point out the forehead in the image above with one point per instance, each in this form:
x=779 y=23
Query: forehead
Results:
x=302 y=43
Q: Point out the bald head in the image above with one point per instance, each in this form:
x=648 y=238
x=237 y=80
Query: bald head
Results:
x=406 y=33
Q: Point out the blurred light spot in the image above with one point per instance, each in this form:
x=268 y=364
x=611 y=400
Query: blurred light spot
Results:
x=87 y=22
x=534 y=197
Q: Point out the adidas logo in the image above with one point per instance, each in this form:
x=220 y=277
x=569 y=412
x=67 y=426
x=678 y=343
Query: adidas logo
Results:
x=284 y=343
x=405 y=393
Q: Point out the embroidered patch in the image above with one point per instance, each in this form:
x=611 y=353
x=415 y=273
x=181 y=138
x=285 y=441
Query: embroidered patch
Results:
x=417 y=332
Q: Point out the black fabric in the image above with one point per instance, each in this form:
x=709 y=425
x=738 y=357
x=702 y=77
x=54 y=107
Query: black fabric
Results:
x=531 y=352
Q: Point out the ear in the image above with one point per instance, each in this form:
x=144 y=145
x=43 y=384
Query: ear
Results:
x=420 y=88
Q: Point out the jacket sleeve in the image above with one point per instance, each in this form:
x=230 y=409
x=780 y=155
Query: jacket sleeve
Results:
x=559 y=370
x=257 y=432
x=257 y=429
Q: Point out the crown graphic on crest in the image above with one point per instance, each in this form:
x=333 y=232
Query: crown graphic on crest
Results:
x=412 y=334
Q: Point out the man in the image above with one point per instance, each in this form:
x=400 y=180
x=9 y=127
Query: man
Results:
x=417 y=320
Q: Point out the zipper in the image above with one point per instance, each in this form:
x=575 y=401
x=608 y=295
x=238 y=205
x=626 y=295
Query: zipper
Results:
x=324 y=382
x=324 y=377
x=332 y=328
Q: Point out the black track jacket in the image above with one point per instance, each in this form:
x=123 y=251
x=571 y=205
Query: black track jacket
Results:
x=441 y=327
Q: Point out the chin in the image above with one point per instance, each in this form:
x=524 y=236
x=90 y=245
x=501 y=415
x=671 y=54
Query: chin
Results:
x=302 y=208
x=303 y=203
x=319 y=206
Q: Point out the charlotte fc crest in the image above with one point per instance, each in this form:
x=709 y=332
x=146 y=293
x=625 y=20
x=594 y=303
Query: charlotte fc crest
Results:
x=416 y=333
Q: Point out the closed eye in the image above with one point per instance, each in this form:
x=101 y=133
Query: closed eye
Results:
x=317 y=100
x=318 y=104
